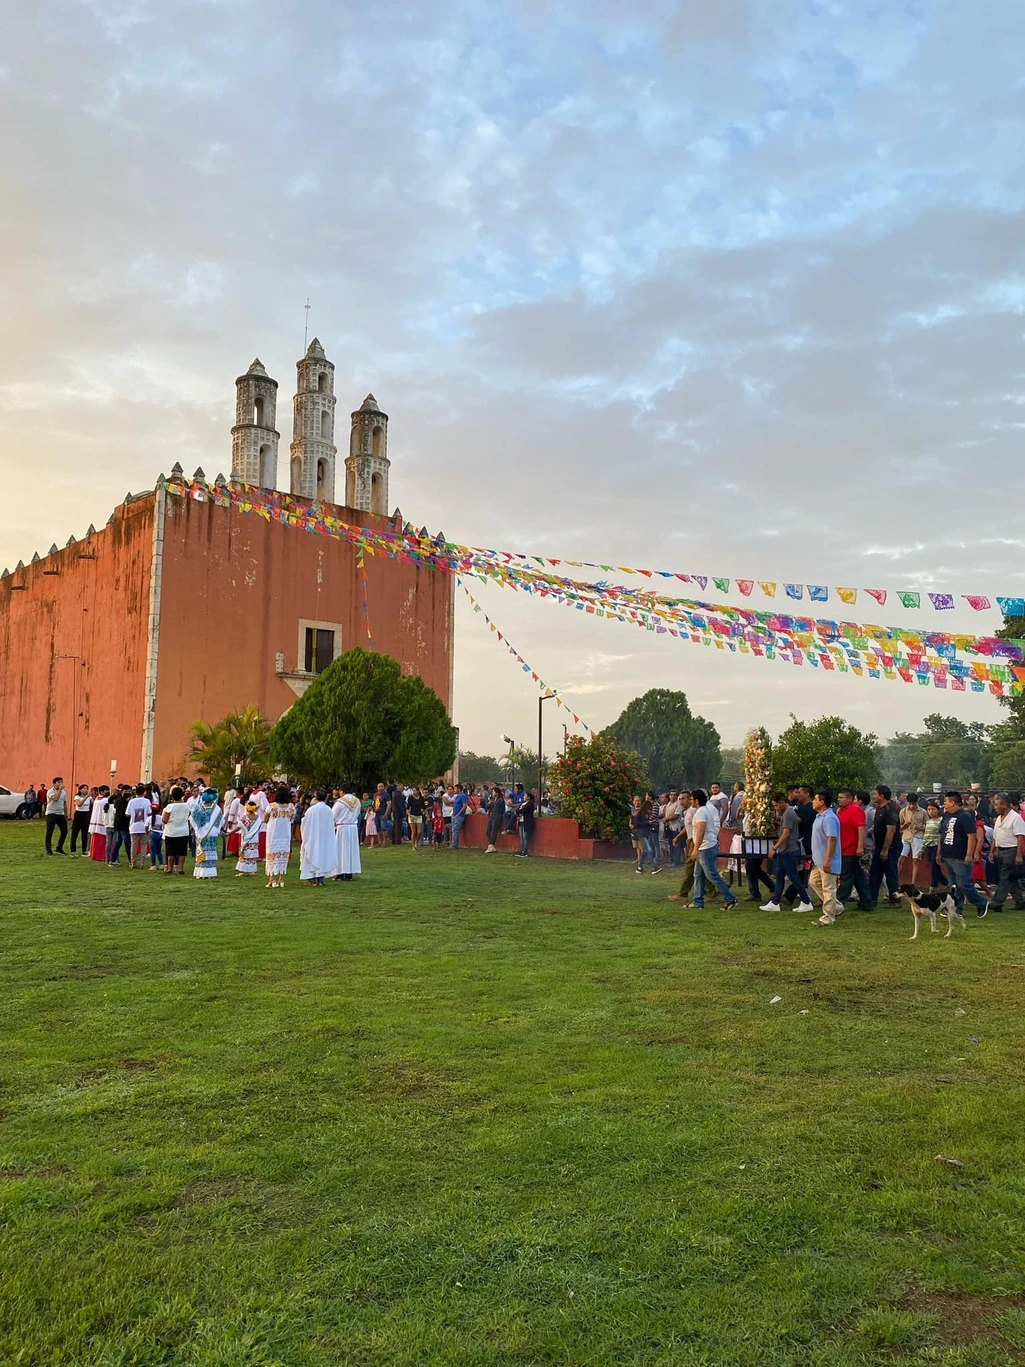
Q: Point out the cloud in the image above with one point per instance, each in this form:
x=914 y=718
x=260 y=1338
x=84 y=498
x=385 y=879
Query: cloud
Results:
x=733 y=288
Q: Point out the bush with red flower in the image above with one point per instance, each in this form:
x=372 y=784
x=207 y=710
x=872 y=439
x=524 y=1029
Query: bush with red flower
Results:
x=596 y=782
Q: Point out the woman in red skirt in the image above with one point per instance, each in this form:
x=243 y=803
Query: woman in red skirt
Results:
x=97 y=830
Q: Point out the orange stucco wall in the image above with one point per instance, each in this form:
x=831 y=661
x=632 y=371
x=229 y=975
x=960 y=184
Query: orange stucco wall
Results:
x=90 y=600
x=234 y=589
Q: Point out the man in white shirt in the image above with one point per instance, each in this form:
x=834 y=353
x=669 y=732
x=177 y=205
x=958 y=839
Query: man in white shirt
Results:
x=1009 y=855
x=718 y=799
x=672 y=821
x=706 y=849
x=56 y=816
x=140 y=815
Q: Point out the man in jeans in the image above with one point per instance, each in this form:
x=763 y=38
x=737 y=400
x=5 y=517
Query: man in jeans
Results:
x=787 y=851
x=851 y=816
x=886 y=851
x=459 y=808
x=706 y=848
x=825 y=856
x=1008 y=853
x=140 y=816
x=683 y=840
x=56 y=816
x=959 y=841
x=672 y=820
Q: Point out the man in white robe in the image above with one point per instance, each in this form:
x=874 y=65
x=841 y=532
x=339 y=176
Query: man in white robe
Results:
x=318 y=858
x=346 y=816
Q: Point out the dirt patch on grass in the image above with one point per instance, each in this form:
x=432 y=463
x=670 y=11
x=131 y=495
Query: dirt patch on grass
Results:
x=77 y=971
x=963 y=1318
x=18 y=1172
x=209 y=1191
x=665 y=1041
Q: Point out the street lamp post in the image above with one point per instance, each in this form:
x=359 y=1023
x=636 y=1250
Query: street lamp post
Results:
x=547 y=697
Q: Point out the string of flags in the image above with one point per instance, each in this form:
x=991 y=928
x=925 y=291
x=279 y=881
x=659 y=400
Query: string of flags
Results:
x=908 y=653
x=817 y=593
x=546 y=689
x=362 y=567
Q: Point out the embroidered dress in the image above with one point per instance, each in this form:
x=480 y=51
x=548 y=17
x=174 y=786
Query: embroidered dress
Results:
x=206 y=822
x=250 y=827
x=98 y=832
x=347 y=814
x=279 y=838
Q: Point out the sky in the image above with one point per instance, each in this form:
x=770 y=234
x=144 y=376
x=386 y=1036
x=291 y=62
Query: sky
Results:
x=733 y=289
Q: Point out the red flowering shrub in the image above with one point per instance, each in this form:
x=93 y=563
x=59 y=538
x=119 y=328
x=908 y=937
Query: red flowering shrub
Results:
x=596 y=782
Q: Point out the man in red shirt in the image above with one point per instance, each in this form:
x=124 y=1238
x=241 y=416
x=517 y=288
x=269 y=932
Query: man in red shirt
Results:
x=852 y=847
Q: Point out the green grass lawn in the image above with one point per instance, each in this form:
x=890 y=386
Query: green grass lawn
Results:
x=479 y=1110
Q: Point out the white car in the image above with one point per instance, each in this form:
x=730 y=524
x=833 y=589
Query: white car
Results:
x=13 y=804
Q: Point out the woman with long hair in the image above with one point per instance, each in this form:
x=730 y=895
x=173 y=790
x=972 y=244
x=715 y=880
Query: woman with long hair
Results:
x=280 y=819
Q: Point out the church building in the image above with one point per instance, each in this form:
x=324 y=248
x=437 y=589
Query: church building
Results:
x=181 y=610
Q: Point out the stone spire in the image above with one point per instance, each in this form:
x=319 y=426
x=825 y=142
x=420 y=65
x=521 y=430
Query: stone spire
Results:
x=313 y=451
x=254 y=442
x=366 y=470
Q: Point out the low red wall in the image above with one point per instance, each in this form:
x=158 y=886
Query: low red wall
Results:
x=554 y=836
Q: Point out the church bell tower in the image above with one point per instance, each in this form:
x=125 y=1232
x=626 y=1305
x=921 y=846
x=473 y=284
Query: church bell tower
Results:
x=254 y=442
x=366 y=470
x=313 y=451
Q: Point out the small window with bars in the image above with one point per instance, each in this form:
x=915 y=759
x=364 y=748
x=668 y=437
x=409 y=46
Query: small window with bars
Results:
x=320 y=649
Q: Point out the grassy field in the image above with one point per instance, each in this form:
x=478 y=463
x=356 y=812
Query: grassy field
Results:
x=476 y=1110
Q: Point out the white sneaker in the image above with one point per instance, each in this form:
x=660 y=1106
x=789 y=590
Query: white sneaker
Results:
x=771 y=906
x=804 y=906
x=491 y=849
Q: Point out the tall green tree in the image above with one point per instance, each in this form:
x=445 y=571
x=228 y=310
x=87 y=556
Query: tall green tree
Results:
x=1008 y=768
x=828 y=753
x=679 y=749
x=1014 y=727
x=731 y=765
x=240 y=740
x=900 y=761
x=478 y=768
x=362 y=720
x=952 y=752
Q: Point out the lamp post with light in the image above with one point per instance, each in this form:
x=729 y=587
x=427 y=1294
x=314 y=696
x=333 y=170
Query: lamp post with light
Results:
x=546 y=697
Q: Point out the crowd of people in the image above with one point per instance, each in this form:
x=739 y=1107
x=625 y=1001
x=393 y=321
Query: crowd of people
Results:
x=260 y=822
x=828 y=849
x=823 y=848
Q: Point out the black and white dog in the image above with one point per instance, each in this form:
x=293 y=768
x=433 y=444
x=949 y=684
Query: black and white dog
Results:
x=932 y=904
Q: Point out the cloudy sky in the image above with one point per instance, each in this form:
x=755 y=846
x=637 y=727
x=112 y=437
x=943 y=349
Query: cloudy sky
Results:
x=731 y=288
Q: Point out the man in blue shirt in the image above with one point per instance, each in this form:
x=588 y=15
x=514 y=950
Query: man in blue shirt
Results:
x=825 y=856
x=458 y=814
x=959 y=842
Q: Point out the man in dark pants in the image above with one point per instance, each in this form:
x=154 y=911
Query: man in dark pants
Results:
x=495 y=818
x=1009 y=853
x=800 y=800
x=852 y=847
x=886 y=853
x=56 y=816
x=960 y=842
x=398 y=813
